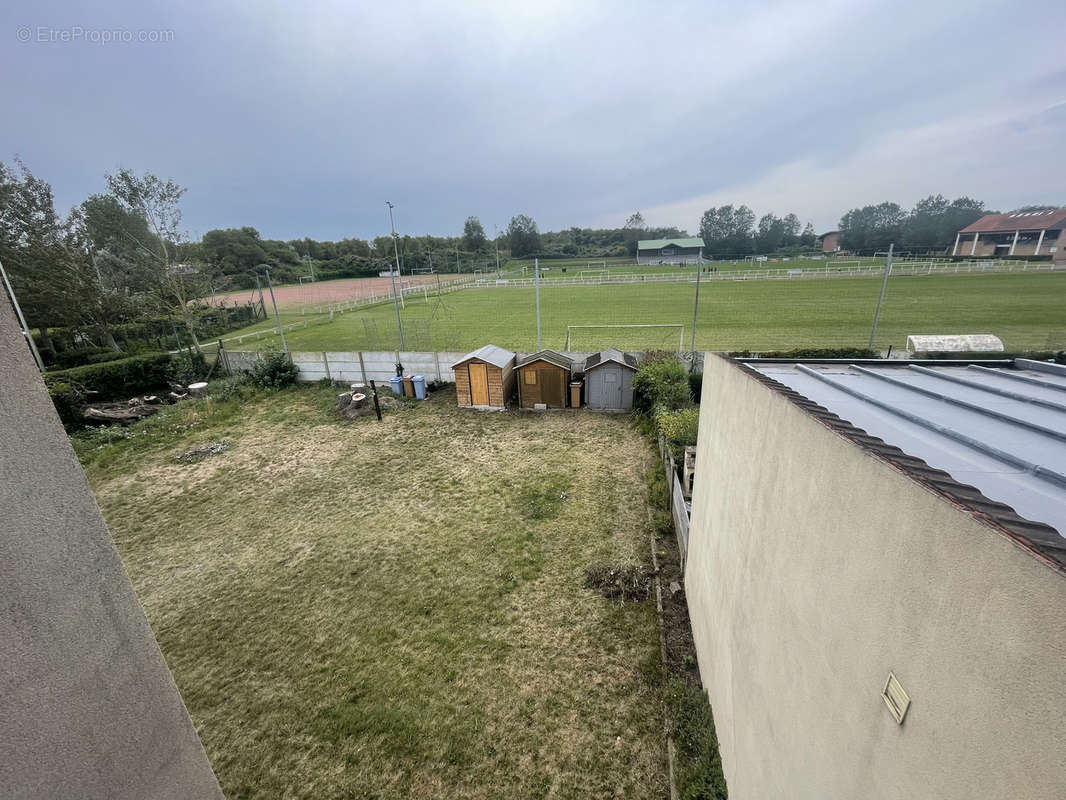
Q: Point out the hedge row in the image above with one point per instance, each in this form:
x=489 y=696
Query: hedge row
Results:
x=122 y=378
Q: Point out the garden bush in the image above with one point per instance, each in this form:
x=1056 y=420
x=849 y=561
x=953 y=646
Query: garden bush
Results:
x=679 y=428
x=189 y=366
x=68 y=401
x=274 y=370
x=117 y=379
x=661 y=382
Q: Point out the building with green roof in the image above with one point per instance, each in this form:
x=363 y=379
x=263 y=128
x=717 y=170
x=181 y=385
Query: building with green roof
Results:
x=670 y=251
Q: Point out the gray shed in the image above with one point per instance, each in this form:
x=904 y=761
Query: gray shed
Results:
x=609 y=380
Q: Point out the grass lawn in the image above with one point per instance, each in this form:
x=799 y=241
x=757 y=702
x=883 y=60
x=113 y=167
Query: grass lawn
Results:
x=355 y=609
x=1025 y=310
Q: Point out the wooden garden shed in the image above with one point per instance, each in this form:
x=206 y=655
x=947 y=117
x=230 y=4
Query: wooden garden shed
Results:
x=609 y=380
x=485 y=378
x=543 y=378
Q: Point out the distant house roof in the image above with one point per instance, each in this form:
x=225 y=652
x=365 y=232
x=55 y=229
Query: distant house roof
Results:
x=490 y=354
x=953 y=428
x=659 y=244
x=610 y=355
x=558 y=359
x=828 y=233
x=1024 y=221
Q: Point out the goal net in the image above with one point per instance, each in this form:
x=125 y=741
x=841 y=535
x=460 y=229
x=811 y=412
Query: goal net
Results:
x=583 y=338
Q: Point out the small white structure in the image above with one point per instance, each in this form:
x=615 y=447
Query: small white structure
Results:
x=955 y=343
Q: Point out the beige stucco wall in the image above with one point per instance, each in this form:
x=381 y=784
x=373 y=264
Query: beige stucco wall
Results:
x=815 y=569
x=88 y=708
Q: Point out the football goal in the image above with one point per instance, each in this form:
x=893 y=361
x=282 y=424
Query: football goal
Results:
x=622 y=337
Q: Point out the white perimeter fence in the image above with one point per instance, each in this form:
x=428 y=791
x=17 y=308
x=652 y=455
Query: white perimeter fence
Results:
x=840 y=271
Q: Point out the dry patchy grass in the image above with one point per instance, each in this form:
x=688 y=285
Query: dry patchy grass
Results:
x=371 y=610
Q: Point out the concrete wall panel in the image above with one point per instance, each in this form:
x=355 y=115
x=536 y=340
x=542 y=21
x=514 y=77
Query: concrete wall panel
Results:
x=815 y=568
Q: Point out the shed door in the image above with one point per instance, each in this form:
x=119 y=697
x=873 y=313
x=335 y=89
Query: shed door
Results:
x=479 y=385
x=551 y=387
x=612 y=386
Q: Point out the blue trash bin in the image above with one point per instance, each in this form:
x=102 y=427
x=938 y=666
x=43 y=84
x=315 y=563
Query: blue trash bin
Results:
x=396 y=384
x=420 y=386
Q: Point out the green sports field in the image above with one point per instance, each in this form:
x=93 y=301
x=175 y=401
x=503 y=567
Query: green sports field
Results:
x=1025 y=310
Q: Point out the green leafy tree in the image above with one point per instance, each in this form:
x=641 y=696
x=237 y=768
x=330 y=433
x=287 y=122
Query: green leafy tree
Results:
x=727 y=230
x=523 y=235
x=473 y=234
x=871 y=228
x=808 y=237
x=158 y=203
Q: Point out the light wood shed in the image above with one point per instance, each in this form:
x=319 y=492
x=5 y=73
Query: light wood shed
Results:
x=609 y=380
x=543 y=378
x=485 y=378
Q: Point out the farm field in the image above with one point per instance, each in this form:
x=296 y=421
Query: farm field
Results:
x=1024 y=309
x=395 y=609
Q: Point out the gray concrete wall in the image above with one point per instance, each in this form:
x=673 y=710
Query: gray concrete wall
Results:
x=88 y=708
x=815 y=569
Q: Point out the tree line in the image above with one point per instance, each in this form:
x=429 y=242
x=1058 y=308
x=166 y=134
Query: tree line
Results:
x=122 y=255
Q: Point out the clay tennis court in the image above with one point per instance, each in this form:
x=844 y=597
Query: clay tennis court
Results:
x=323 y=292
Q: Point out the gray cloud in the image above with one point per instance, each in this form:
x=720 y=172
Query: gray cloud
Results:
x=303 y=119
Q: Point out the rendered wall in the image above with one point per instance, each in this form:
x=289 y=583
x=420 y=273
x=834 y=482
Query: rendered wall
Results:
x=88 y=708
x=814 y=569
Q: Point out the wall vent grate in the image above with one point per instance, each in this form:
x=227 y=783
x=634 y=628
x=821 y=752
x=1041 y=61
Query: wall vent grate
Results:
x=896 y=698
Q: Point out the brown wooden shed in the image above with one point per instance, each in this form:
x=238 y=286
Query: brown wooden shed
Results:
x=543 y=378
x=485 y=378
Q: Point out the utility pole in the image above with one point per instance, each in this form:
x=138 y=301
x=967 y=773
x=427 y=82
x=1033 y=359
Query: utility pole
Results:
x=277 y=316
x=696 y=308
x=395 y=299
x=311 y=264
x=496 y=241
x=536 y=284
x=22 y=320
x=881 y=299
x=457 y=258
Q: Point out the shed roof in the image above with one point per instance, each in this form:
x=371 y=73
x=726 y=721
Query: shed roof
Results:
x=1023 y=221
x=490 y=353
x=558 y=359
x=993 y=439
x=610 y=355
x=658 y=244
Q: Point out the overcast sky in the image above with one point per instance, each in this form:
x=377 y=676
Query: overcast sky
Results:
x=302 y=118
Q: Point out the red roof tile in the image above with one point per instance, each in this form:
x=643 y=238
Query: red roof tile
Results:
x=1026 y=221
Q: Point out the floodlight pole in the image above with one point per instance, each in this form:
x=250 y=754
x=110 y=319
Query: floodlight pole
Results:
x=22 y=320
x=311 y=264
x=277 y=316
x=536 y=284
x=395 y=299
x=696 y=306
x=496 y=241
x=881 y=299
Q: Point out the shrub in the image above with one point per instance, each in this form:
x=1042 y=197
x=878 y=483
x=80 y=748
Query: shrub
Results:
x=230 y=388
x=274 y=370
x=809 y=352
x=116 y=379
x=68 y=402
x=189 y=366
x=661 y=382
x=679 y=428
